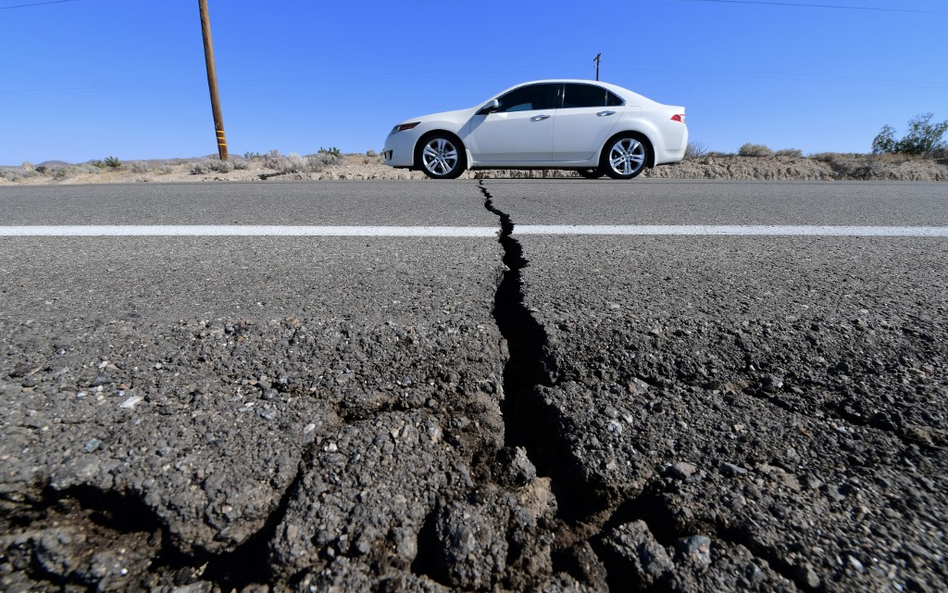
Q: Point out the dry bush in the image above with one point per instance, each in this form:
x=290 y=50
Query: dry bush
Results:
x=754 y=150
x=790 y=152
x=696 y=150
x=294 y=163
x=205 y=166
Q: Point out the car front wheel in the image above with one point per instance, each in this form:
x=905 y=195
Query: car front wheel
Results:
x=440 y=156
x=624 y=157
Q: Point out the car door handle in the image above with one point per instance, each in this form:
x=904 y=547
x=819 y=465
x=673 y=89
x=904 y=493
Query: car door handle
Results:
x=539 y=117
x=605 y=113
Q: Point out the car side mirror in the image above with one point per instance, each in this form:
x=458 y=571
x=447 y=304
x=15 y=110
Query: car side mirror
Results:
x=489 y=108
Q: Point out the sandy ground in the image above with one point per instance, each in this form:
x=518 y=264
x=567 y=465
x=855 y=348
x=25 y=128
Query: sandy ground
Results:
x=824 y=167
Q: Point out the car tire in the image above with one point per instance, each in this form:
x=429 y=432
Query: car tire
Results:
x=590 y=173
x=440 y=156
x=625 y=156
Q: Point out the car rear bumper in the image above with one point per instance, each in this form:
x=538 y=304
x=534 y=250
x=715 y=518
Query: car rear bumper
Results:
x=675 y=136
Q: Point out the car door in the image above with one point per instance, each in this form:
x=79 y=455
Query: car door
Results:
x=584 y=122
x=519 y=131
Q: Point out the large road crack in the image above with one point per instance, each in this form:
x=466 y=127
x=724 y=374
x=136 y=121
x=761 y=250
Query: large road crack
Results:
x=590 y=515
x=530 y=420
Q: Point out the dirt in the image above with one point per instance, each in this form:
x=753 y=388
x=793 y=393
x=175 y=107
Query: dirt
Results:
x=357 y=167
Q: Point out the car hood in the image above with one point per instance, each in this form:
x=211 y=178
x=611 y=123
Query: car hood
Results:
x=457 y=116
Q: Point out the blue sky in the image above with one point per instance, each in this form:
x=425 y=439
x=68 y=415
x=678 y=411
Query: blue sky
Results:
x=86 y=79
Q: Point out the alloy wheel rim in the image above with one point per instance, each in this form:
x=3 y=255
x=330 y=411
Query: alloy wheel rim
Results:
x=440 y=156
x=627 y=156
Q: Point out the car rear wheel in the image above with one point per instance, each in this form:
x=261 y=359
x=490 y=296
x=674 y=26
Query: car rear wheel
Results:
x=440 y=156
x=624 y=157
x=590 y=173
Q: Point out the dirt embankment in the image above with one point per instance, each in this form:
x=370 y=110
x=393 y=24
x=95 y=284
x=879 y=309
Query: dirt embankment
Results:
x=822 y=167
x=825 y=167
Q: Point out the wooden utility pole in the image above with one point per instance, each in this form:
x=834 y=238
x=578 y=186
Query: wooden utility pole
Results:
x=596 y=59
x=212 y=81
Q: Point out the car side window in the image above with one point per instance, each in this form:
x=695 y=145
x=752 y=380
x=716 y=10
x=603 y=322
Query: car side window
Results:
x=588 y=95
x=583 y=95
x=530 y=98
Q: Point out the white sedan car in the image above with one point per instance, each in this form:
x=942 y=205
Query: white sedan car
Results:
x=591 y=127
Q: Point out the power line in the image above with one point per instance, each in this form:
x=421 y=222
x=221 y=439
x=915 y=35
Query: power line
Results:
x=830 y=6
x=36 y=4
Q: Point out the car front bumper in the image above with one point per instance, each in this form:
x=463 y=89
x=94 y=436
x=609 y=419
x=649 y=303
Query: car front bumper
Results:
x=399 y=149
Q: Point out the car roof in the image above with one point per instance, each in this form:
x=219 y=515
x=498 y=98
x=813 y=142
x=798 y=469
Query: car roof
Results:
x=621 y=91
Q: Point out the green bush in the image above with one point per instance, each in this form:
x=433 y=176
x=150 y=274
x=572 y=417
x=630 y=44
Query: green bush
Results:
x=112 y=162
x=333 y=151
x=755 y=150
x=922 y=139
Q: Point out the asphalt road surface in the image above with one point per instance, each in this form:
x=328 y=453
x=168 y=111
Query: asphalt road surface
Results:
x=474 y=386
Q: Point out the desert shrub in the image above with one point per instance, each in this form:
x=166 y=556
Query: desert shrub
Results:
x=696 y=150
x=205 y=166
x=253 y=156
x=86 y=168
x=794 y=152
x=276 y=161
x=321 y=160
x=140 y=167
x=294 y=163
x=371 y=154
x=60 y=172
x=754 y=150
x=24 y=171
x=824 y=157
x=240 y=165
x=924 y=138
x=330 y=151
x=112 y=162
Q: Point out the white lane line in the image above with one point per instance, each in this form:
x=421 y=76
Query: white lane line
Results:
x=735 y=230
x=465 y=231
x=245 y=231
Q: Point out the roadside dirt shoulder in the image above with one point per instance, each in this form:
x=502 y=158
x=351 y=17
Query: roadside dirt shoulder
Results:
x=358 y=167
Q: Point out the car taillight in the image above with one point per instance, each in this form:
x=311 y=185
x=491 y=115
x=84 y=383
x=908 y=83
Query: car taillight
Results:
x=679 y=117
x=403 y=127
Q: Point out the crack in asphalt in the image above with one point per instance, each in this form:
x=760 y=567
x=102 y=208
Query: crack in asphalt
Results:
x=529 y=421
x=587 y=511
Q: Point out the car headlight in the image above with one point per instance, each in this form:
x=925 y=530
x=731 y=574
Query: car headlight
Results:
x=403 y=127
